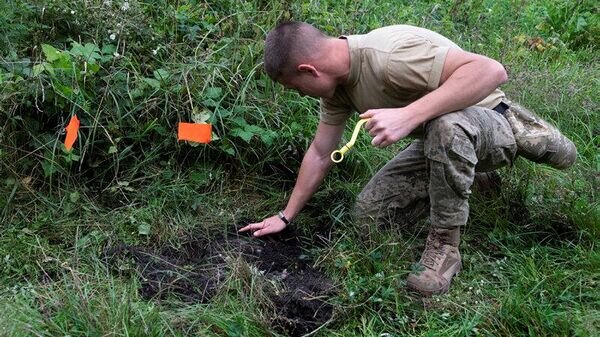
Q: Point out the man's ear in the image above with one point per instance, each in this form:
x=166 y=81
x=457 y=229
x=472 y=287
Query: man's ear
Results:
x=308 y=68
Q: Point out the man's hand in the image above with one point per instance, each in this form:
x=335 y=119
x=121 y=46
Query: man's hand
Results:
x=388 y=126
x=267 y=226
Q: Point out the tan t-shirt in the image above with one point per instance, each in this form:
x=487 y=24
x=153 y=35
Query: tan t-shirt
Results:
x=391 y=67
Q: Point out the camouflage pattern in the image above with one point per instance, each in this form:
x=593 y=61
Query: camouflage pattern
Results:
x=398 y=193
x=538 y=140
x=433 y=176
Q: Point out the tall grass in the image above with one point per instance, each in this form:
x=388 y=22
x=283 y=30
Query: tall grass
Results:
x=131 y=70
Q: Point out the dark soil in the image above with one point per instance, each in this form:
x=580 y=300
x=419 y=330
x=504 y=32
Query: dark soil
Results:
x=194 y=272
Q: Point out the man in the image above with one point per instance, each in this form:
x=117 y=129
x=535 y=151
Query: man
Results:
x=408 y=81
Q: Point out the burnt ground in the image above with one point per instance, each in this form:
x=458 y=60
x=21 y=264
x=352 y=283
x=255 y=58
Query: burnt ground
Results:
x=195 y=271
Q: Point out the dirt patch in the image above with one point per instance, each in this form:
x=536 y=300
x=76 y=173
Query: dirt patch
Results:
x=195 y=271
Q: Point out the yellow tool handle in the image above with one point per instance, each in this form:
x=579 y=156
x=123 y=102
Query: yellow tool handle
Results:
x=338 y=155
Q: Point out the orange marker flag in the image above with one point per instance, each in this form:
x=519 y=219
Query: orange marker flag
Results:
x=72 y=130
x=194 y=132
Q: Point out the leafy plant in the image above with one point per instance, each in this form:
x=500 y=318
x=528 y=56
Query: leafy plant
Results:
x=575 y=23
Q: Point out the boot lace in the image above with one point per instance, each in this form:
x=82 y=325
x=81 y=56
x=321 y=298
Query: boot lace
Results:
x=433 y=250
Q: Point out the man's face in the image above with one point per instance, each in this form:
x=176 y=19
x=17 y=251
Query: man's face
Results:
x=307 y=84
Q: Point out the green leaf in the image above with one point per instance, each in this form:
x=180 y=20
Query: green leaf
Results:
x=199 y=177
x=152 y=82
x=255 y=129
x=74 y=197
x=64 y=90
x=52 y=54
x=112 y=149
x=71 y=156
x=162 y=75
x=108 y=53
x=39 y=68
x=240 y=121
x=143 y=229
x=213 y=92
x=89 y=51
x=93 y=236
x=267 y=136
x=229 y=150
x=161 y=130
x=93 y=68
x=581 y=24
x=245 y=135
x=210 y=102
x=109 y=49
x=224 y=113
x=200 y=116
x=49 y=168
x=64 y=64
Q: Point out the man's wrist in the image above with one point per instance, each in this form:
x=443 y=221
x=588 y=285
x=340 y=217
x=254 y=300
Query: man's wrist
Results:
x=283 y=218
x=420 y=113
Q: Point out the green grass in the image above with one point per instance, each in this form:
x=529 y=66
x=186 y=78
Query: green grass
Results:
x=531 y=262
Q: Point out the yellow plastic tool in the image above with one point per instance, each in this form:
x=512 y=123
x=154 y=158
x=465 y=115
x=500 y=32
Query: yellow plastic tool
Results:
x=338 y=155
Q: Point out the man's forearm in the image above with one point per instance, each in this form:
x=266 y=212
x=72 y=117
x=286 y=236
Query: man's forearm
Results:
x=312 y=171
x=467 y=86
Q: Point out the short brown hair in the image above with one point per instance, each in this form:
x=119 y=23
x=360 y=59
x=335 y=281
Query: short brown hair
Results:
x=288 y=44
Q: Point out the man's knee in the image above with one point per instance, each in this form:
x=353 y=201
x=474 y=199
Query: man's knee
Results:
x=365 y=207
x=438 y=131
x=451 y=152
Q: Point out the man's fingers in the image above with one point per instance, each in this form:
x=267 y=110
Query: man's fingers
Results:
x=268 y=226
x=260 y=232
x=372 y=128
x=268 y=230
x=264 y=231
x=366 y=114
x=377 y=140
x=253 y=226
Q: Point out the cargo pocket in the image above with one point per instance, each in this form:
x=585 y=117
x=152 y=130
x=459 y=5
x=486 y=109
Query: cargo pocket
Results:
x=452 y=168
x=463 y=148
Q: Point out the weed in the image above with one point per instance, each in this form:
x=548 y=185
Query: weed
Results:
x=131 y=70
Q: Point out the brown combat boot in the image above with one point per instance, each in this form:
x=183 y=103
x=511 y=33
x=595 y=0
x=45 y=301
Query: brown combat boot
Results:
x=538 y=140
x=440 y=260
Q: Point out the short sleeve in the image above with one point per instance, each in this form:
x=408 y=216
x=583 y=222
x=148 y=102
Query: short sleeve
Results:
x=334 y=111
x=416 y=64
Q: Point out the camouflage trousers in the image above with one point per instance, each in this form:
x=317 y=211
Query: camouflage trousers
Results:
x=436 y=173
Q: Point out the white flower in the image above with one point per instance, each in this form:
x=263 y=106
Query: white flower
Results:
x=125 y=6
x=115 y=54
x=72 y=12
x=155 y=51
x=112 y=36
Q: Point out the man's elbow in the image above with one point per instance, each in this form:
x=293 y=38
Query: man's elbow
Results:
x=499 y=73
